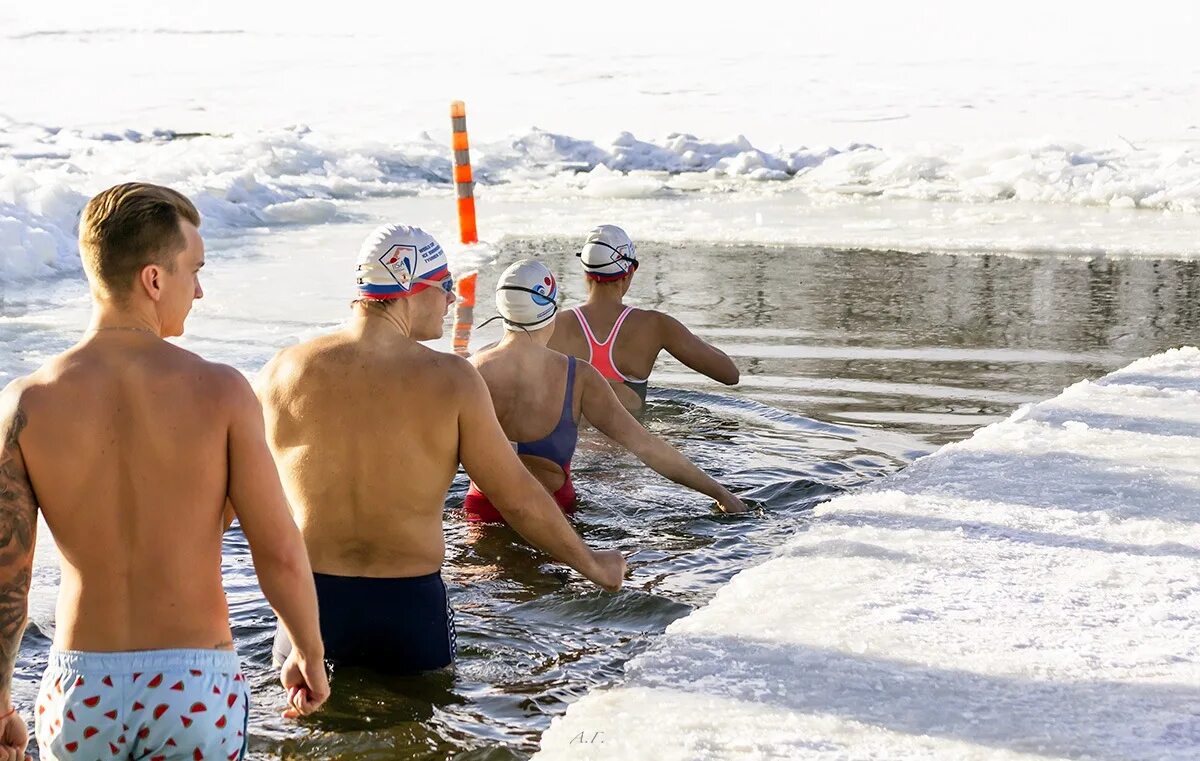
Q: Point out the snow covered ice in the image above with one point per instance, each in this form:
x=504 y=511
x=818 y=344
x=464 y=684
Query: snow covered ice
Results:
x=1031 y=592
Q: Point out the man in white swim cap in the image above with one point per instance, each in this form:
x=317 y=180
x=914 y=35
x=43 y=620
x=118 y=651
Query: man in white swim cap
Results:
x=131 y=448
x=633 y=337
x=369 y=428
x=396 y=261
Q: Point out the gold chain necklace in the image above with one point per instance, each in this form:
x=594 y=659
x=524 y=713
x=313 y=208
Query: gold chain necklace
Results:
x=122 y=327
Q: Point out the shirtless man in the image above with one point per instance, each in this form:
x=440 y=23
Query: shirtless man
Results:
x=130 y=447
x=609 y=261
x=369 y=428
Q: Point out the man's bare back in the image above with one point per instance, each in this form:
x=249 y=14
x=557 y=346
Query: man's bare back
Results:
x=107 y=423
x=366 y=436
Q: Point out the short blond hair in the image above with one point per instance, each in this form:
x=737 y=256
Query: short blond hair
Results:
x=129 y=226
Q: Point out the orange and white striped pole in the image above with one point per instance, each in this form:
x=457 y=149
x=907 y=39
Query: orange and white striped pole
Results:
x=463 y=181
x=464 y=312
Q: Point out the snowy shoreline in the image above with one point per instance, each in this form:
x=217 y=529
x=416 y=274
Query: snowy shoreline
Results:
x=1031 y=592
x=1030 y=196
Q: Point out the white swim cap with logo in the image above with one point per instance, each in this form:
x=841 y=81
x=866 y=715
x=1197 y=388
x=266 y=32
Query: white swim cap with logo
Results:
x=395 y=258
x=608 y=253
x=527 y=295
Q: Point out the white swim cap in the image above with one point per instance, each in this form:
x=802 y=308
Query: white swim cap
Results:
x=608 y=254
x=527 y=295
x=395 y=258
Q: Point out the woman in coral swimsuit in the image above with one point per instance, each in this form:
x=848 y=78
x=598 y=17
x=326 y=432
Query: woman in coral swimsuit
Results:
x=609 y=262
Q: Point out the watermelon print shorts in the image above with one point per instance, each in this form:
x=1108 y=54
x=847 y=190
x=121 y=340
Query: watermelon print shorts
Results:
x=159 y=705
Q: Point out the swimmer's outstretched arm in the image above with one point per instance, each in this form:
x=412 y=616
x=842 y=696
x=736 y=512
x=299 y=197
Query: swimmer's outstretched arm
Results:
x=277 y=548
x=492 y=464
x=604 y=411
x=701 y=356
x=18 y=531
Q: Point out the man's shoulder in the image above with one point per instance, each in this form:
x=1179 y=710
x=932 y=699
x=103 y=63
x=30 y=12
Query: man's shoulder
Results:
x=178 y=363
x=443 y=366
x=14 y=387
x=287 y=360
x=484 y=355
x=206 y=378
x=440 y=375
x=228 y=383
x=32 y=390
x=11 y=398
x=175 y=361
x=312 y=356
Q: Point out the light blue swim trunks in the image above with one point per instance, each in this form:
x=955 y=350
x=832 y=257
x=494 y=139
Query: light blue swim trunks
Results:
x=159 y=705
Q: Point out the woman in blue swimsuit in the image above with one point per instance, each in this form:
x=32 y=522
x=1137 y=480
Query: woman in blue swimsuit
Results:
x=540 y=394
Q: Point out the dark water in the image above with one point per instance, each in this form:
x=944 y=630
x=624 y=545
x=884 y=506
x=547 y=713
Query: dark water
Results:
x=853 y=363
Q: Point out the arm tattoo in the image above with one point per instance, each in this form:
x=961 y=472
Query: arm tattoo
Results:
x=18 y=527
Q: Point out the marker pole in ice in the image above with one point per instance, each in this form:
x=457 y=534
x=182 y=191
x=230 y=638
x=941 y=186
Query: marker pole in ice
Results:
x=463 y=181
x=464 y=312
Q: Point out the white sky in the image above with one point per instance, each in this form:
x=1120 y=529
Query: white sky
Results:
x=1016 y=28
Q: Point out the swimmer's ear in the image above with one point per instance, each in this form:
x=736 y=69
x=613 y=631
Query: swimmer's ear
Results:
x=150 y=279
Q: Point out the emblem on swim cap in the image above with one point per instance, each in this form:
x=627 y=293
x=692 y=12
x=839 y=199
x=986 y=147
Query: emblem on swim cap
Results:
x=527 y=295
x=608 y=253
x=392 y=257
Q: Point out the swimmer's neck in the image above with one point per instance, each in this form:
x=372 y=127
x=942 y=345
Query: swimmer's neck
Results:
x=372 y=325
x=606 y=293
x=521 y=339
x=134 y=317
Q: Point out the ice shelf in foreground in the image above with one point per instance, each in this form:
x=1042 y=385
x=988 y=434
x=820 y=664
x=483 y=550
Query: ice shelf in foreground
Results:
x=1032 y=592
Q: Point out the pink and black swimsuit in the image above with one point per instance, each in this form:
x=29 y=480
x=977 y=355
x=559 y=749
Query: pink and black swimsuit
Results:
x=600 y=353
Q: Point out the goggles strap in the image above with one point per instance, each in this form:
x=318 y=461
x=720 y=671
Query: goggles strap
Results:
x=523 y=324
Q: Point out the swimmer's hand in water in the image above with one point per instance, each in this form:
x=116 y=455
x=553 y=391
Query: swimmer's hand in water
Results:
x=609 y=570
x=306 y=683
x=728 y=502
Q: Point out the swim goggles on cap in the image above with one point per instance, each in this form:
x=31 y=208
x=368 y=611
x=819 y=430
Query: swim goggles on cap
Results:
x=446 y=283
x=621 y=255
x=538 y=298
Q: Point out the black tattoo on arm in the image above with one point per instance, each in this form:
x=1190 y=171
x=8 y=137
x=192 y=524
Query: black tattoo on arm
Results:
x=18 y=531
